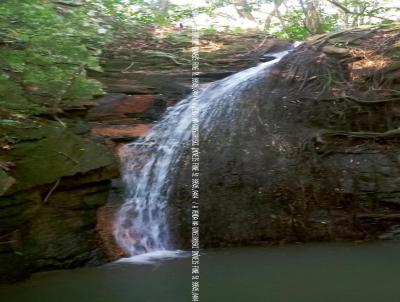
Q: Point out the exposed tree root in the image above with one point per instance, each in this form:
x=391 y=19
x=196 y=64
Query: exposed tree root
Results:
x=386 y=134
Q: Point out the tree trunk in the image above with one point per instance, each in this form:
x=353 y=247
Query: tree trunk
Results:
x=274 y=13
x=243 y=9
x=163 y=6
x=313 y=19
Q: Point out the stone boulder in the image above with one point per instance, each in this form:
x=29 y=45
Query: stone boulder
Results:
x=56 y=180
x=313 y=152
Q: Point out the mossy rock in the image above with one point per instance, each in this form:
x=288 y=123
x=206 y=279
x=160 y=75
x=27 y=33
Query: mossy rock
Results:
x=17 y=209
x=49 y=152
x=61 y=239
x=6 y=181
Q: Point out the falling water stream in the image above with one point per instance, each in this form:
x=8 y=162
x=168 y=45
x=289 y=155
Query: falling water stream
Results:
x=298 y=273
x=149 y=164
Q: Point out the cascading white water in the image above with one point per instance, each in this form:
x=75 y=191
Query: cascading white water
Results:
x=149 y=164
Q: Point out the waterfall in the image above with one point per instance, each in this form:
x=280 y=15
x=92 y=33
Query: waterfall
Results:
x=150 y=163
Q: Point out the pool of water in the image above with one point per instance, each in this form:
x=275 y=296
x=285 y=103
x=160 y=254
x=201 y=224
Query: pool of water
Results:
x=299 y=273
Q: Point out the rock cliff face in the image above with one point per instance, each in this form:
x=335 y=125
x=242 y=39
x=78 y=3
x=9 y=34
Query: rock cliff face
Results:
x=57 y=201
x=315 y=155
x=59 y=177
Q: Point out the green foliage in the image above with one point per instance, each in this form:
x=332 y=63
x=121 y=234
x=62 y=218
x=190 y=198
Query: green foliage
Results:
x=211 y=30
x=46 y=46
x=294 y=27
x=179 y=37
x=134 y=12
x=330 y=23
x=44 y=51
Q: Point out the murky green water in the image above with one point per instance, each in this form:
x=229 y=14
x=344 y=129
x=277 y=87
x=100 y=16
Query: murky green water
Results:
x=307 y=273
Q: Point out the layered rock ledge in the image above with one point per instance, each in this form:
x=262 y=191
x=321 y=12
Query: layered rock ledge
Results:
x=55 y=180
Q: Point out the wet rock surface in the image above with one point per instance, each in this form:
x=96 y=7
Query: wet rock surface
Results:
x=314 y=155
x=139 y=91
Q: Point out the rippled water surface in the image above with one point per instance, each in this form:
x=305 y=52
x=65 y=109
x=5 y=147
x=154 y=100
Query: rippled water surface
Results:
x=302 y=273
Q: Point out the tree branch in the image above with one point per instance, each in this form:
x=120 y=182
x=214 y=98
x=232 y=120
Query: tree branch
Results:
x=348 y=11
x=68 y=3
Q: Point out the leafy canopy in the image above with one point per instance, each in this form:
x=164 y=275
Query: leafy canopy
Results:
x=45 y=49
